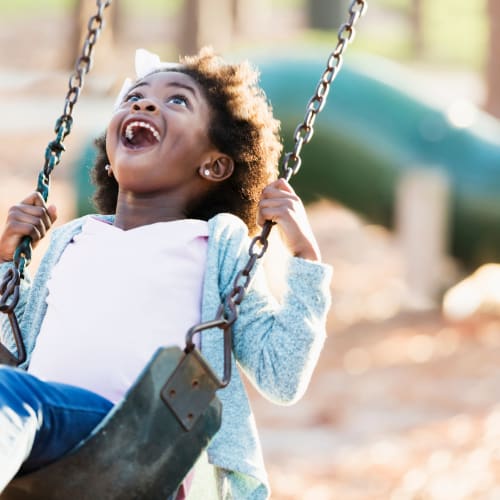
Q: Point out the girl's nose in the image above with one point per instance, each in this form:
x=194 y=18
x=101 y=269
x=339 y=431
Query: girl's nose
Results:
x=144 y=105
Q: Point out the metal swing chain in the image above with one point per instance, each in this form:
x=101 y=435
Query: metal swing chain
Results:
x=305 y=130
x=228 y=310
x=9 y=288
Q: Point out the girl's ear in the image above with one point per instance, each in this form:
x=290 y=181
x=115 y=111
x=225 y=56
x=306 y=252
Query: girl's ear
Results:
x=218 y=169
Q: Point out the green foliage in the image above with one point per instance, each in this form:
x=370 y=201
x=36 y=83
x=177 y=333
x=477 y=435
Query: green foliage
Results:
x=288 y=3
x=456 y=32
x=402 y=5
x=148 y=7
x=19 y=8
x=390 y=45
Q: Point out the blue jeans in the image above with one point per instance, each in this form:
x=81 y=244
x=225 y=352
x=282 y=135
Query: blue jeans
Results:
x=41 y=421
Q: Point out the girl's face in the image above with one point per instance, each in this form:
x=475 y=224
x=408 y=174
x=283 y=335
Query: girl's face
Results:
x=157 y=139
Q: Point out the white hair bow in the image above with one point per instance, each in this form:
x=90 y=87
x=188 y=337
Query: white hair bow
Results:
x=145 y=63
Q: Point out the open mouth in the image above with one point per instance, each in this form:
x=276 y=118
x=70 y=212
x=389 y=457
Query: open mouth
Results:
x=140 y=134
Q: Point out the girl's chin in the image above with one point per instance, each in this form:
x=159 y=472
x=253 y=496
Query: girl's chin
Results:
x=125 y=161
x=139 y=149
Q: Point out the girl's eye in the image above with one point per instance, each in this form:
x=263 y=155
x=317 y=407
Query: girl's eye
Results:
x=132 y=98
x=179 y=100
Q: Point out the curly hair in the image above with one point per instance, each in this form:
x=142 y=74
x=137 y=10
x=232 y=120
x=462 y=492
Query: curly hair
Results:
x=242 y=126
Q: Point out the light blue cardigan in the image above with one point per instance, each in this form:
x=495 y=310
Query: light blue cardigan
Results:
x=276 y=344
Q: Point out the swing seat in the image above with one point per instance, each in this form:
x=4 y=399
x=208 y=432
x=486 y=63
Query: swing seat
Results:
x=145 y=446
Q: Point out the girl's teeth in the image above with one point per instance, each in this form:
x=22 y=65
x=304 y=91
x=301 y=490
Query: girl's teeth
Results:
x=129 y=131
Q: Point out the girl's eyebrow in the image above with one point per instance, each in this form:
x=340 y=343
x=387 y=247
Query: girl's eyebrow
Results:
x=137 y=85
x=183 y=86
x=168 y=84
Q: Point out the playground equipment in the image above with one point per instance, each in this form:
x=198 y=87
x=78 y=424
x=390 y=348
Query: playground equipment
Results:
x=375 y=129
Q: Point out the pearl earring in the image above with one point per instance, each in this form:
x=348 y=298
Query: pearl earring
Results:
x=108 y=170
x=206 y=172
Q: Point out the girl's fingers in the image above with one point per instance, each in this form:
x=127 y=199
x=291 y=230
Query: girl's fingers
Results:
x=20 y=212
x=275 y=206
x=34 y=198
x=275 y=198
x=30 y=218
x=31 y=230
x=37 y=217
x=52 y=212
x=34 y=205
x=277 y=188
x=280 y=210
x=40 y=224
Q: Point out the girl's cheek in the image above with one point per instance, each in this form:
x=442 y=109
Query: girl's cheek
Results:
x=109 y=146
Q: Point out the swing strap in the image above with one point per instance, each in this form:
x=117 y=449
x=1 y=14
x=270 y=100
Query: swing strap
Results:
x=9 y=288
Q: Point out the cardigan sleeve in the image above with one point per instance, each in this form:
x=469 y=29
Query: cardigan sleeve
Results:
x=277 y=344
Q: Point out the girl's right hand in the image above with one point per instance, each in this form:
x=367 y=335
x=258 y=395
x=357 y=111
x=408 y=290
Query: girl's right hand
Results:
x=30 y=218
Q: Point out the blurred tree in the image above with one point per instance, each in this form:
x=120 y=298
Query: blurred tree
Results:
x=416 y=18
x=83 y=10
x=326 y=14
x=250 y=17
x=217 y=22
x=492 y=67
x=206 y=23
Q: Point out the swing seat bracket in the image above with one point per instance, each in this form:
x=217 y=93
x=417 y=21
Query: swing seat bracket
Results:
x=190 y=389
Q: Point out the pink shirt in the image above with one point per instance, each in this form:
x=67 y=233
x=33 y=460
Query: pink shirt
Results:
x=116 y=296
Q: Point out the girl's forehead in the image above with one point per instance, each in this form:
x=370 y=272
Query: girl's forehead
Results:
x=171 y=77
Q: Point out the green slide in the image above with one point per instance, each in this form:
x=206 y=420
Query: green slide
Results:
x=374 y=126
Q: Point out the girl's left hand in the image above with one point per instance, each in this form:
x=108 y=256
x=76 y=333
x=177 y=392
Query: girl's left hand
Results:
x=280 y=204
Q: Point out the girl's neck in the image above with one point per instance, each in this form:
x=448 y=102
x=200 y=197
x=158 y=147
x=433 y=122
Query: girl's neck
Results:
x=134 y=211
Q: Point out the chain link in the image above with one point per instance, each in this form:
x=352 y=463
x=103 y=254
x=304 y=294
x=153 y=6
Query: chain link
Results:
x=9 y=288
x=292 y=160
x=305 y=130
x=64 y=123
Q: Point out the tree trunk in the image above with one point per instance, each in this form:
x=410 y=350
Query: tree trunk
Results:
x=492 y=66
x=327 y=14
x=416 y=19
x=250 y=18
x=206 y=23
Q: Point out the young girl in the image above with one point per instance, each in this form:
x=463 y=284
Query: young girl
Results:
x=186 y=170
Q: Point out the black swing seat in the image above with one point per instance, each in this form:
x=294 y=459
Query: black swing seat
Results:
x=145 y=446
